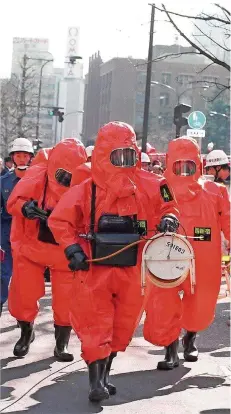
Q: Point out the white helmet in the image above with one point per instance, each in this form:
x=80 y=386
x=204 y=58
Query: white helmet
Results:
x=89 y=150
x=145 y=157
x=215 y=158
x=23 y=145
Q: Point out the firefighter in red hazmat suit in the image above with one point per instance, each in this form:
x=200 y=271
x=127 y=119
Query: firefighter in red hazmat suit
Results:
x=36 y=249
x=203 y=215
x=41 y=156
x=115 y=205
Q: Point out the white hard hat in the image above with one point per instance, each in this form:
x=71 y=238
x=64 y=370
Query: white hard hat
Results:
x=145 y=157
x=89 y=150
x=216 y=157
x=23 y=145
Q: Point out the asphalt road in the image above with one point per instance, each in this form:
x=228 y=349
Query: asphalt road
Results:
x=37 y=384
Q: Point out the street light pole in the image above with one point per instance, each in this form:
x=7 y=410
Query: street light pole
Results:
x=39 y=96
x=148 y=82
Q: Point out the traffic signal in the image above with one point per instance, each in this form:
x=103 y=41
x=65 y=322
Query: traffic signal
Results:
x=37 y=145
x=60 y=115
x=56 y=112
x=180 y=120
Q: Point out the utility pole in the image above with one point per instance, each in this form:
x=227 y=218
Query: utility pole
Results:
x=148 y=82
x=22 y=98
x=39 y=95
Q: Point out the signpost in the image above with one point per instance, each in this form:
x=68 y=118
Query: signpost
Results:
x=196 y=133
x=196 y=122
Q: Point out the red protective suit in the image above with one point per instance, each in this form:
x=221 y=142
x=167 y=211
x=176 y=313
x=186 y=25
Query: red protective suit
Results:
x=81 y=173
x=203 y=210
x=106 y=301
x=32 y=256
x=41 y=156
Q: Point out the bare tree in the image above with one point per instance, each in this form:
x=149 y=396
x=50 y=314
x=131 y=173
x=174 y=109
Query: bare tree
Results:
x=19 y=96
x=212 y=21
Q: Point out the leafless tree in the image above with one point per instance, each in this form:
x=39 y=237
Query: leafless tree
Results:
x=19 y=96
x=220 y=20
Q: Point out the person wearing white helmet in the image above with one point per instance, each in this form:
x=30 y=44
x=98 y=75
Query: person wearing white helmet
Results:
x=21 y=153
x=145 y=161
x=89 y=151
x=217 y=164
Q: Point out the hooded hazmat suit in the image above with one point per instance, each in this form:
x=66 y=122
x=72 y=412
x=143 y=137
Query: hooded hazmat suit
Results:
x=204 y=212
x=45 y=182
x=106 y=302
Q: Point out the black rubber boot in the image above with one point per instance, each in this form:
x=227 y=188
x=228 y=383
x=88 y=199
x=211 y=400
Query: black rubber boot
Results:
x=171 y=357
x=190 y=349
x=62 y=336
x=97 y=370
x=111 y=388
x=27 y=336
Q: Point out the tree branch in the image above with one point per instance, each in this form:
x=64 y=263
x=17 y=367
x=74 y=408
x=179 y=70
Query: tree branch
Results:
x=225 y=11
x=196 y=47
x=206 y=18
x=210 y=38
x=206 y=67
x=213 y=83
x=216 y=96
x=174 y=55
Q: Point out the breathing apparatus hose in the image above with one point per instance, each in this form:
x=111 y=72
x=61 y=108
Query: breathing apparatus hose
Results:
x=115 y=253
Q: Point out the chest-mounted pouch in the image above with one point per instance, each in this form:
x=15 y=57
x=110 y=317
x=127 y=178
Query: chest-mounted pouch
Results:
x=110 y=223
x=114 y=233
x=44 y=234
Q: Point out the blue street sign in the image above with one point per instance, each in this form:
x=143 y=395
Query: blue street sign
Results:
x=197 y=120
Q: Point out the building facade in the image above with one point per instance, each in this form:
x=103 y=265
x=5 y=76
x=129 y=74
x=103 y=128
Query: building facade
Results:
x=32 y=69
x=92 y=98
x=122 y=91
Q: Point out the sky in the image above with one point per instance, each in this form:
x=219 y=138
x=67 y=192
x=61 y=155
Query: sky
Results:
x=116 y=28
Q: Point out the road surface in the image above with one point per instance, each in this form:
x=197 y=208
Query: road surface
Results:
x=37 y=384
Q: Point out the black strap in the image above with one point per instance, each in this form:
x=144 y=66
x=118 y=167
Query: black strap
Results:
x=44 y=193
x=93 y=196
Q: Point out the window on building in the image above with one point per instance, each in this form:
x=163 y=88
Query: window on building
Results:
x=165 y=119
x=209 y=80
x=166 y=78
x=164 y=99
x=185 y=80
x=139 y=118
x=141 y=77
x=140 y=98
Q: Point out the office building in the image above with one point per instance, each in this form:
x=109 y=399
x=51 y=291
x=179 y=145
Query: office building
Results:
x=122 y=91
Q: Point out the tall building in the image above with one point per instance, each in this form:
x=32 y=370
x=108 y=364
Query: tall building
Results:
x=122 y=91
x=31 y=76
x=92 y=98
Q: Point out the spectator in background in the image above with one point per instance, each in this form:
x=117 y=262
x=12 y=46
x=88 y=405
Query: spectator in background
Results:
x=1 y=166
x=8 y=165
x=157 y=169
x=217 y=164
x=89 y=151
x=145 y=161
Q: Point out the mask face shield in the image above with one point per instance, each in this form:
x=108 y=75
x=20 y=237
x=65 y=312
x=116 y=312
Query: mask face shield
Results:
x=184 y=168
x=63 y=177
x=124 y=157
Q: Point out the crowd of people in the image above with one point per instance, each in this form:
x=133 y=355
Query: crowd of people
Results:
x=86 y=214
